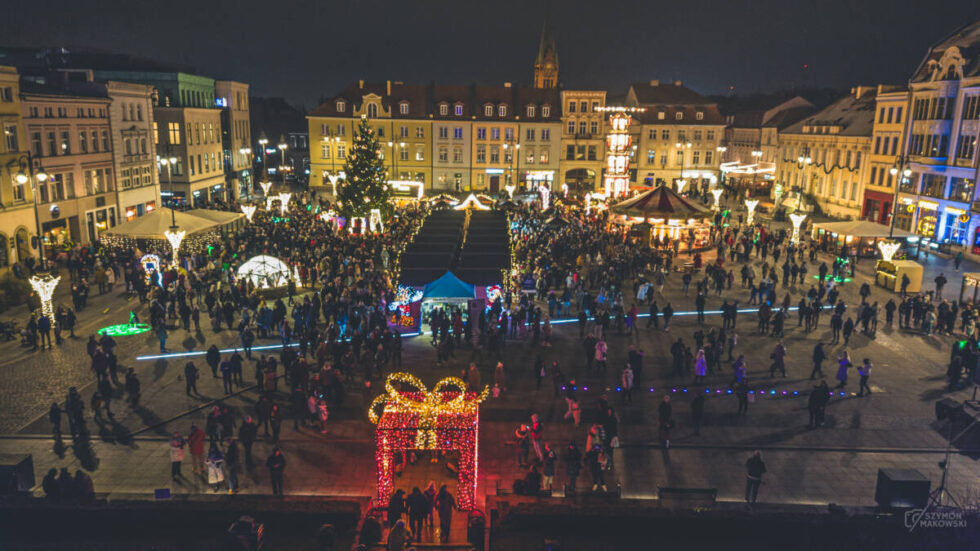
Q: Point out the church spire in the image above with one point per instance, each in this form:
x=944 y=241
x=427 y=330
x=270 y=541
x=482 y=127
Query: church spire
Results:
x=546 y=64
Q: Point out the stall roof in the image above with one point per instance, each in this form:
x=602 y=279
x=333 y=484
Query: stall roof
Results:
x=220 y=216
x=448 y=286
x=152 y=225
x=860 y=228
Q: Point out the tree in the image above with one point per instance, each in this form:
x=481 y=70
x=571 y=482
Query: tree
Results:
x=365 y=185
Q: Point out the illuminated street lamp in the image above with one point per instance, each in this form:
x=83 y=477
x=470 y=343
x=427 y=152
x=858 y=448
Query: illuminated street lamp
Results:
x=751 y=204
x=803 y=162
x=797 y=220
x=263 y=141
x=249 y=211
x=681 y=146
x=717 y=195
x=901 y=167
x=34 y=178
x=284 y=202
x=283 y=146
x=175 y=237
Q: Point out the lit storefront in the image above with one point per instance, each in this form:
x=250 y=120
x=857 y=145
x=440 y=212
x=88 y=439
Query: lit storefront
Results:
x=99 y=220
x=533 y=179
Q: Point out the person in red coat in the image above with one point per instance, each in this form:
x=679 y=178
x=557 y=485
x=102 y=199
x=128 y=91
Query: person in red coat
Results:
x=195 y=441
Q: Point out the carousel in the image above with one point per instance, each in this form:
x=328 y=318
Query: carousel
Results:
x=666 y=214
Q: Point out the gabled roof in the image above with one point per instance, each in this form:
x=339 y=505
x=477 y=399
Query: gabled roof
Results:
x=853 y=115
x=655 y=92
x=448 y=286
x=966 y=39
x=709 y=112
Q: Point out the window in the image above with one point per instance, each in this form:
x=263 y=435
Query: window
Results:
x=891 y=113
x=965 y=147
x=83 y=141
x=381 y=131
x=544 y=156
x=529 y=135
x=663 y=159
x=571 y=127
x=679 y=115
x=443 y=133
x=443 y=154
x=592 y=151
x=481 y=133
x=36 y=147
x=652 y=134
x=95 y=141
x=10 y=137
x=457 y=155
x=661 y=115
x=372 y=110
x=961 y=189
x=207 y=163
x=530 y=111
x=679 y=157
x=458 y=133
x=898 y=114
x=570 y=152
x=419 y=153
x=697 y=135
x=65 y=143
x=710 y=135
x=696 y=158
x=494 y=154
x=419 y=132
x=545 y=111
x=529 y=157
x=6 y=94
x=481 y=153
x=494 y=133
x=881 y=115
x=197 y=132
x=571 y=107
x=341 y=106
x=665 y=135
x=509 y=134
x=545 y=134
x=594 y=127
x=403 y=108
x=971 y=107
x=708 y=156
x=324 y=151
x=854 y=188
x=443 y=109
x=579 y=152
x=52 y=144
x=877 y=148
x=403 y=154
x=651 y=155
x=502 y=110
x=459 y=110
x=699 y=115
x=581 y=127
x=403 y=131
x=341 y=152
x=341 y=130
x=488 y=110
x=105 y=140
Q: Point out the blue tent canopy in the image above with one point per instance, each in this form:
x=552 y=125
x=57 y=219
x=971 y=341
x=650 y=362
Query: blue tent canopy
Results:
x=448 y=286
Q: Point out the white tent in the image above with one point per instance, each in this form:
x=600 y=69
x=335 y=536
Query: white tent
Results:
x=265 y=271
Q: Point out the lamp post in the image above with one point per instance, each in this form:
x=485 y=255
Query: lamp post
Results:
x=681 y=147
x=262 y=143
x=902 y=172
x=34 y=178
x=246 y=152
x=169 y=162
x=283 y=146
x=721 y=158
x=802 y=162
x=393 y=146
x=510 y=163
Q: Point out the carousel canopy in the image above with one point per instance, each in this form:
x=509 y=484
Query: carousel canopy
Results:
x=152 y=225
x=661 y=202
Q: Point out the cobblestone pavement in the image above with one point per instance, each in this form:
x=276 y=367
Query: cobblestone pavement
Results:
x=894 y=427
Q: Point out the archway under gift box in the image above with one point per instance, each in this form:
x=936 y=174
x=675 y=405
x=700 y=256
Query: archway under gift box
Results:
x=411 y=417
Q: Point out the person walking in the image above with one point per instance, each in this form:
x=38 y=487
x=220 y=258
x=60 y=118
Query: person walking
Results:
x=864 y=370
x=177 y=444
x=195 y=441
x=233 y=465
x=247 y=434
x=573 y=466
x=418 y=508
x=816 y=404
x=700 y=367
x=445 y=503
x=601 y=351
x=216 y=473
x=596 y=462
x=818 y=357
x=276 y=464
x=844 y=363
x=940 y=283
x=754 y=469
x=778 y=360
x=626 y=382
x=190 y=378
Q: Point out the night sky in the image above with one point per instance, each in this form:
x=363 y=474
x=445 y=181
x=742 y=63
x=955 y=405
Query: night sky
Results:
x=307 y=48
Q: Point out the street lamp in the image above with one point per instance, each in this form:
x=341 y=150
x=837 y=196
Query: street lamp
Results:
x=394 y=157
x=750 y=204
x=901 y=167
x=510 y=163
x=283 y=146
x=332 y=175
x=802 y=162
x=34 y=178
x=246 y=153
x=174 y=235
x=262 y=142
x=681 y=182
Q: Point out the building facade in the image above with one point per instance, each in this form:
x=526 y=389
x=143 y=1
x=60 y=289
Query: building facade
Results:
x=452 y=135
x=834 y=145
x=941 y=143
x=70 y=140
x=236 y=136
x=192 y=135
x=678 y=136
x=888 y=135
x=133 y=149
x=583 y=143
x=17 y=217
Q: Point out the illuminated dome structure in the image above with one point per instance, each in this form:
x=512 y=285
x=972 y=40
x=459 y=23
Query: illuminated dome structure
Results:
x=265 y=272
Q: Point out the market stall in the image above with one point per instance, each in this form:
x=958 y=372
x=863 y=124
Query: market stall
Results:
x=970 y=279
x=860 y=236
x=666 y=214
x=149 y=232
x=889 y=274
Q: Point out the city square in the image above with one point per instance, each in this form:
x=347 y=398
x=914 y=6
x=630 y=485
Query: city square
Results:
x=516 y=316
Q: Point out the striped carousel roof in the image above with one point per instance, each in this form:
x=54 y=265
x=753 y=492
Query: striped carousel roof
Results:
x=661 y=202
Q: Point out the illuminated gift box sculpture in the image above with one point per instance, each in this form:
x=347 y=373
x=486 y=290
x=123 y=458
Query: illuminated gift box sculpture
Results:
x=444 y=418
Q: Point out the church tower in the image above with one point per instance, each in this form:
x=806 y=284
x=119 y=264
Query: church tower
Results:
x=546 y=65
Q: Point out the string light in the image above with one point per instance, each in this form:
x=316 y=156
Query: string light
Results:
x=249 y=211
x=751 y=204
x=444 y=418
x=265 y=187
x=44 y=287
x=471 y=202
x=797 y=220
x=175 y=238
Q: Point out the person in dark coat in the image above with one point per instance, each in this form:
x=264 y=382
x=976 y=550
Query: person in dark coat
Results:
x=754 y=469
x=418 y=509
x=445 y=504
x=277 y=467
x=213 y=357
x=396 y=507
x=190 y=378
x=247 y=434
x=818 y=357
x=52 y=491
x=573 y=465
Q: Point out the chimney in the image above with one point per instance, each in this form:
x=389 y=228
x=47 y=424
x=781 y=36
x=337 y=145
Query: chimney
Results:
x=654 y=83
x=861 y=91
x=388 y=86
x=507 y=85
x=360 y=84
x=678 y=83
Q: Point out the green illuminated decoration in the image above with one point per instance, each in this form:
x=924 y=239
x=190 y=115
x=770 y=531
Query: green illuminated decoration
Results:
x=124 y=329
x=838 y=279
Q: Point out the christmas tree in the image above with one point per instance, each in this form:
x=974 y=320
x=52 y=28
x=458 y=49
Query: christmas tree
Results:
x=365 y=186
